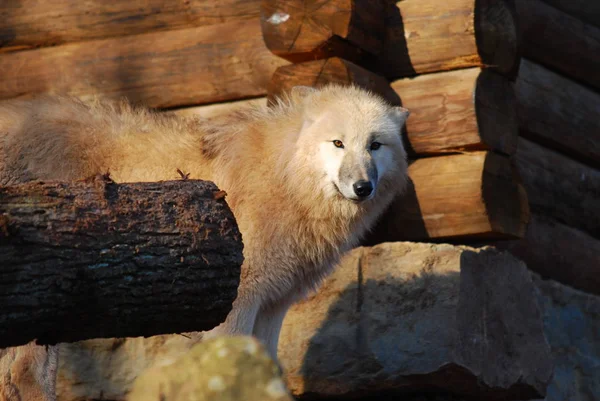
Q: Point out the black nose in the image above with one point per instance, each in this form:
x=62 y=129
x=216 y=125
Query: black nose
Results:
x=363 y=188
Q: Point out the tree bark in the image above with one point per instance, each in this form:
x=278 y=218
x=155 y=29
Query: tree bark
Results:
x=93 y=259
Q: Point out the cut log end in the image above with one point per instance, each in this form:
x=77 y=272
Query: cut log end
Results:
x=497 y=36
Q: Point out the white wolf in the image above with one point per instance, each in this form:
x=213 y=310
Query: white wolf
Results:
x=305 y=178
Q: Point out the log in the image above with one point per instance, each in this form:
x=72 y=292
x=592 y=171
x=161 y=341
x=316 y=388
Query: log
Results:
x=322 y=72
x=585 y=10
x=559 y=187
x=560 y=41
x=457 y=197
x=165 y=69
x=558 y=252
x=558 y=112
x=307 y=30
x=470 y=109
x=26 y=24
x=93 y=259
x=424 y=36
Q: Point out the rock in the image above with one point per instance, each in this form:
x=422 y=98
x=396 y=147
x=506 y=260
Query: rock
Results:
x=224 y=369
x=405 y=316
x=393 y=318
x=572 y=326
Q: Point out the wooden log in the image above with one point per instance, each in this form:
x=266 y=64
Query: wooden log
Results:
x=585 y=10
x=322 y=72
x=165 y=69
x=470 y=109
x=26 y=24
x=300 y=30
x=559 y=252
x=468 y=196
x=558 y=112
x=424 y=36
x=560 y=41
x=93 y=259
x=560 y=187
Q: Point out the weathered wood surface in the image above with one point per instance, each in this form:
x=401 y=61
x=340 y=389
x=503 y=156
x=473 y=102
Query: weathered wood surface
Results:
x=469 y=109
x=28 y=24
x=558 y=112
x=164 y=69
x=300 y=30
x=424 y=36
x=560 y=187
x=559 y=252
x=468 y=196
x=333 y=70
x=585 y=10
x=560 y=41
x=93 y=259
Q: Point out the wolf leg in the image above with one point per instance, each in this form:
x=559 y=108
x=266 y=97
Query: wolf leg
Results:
x=268 y=325
x=241 y=318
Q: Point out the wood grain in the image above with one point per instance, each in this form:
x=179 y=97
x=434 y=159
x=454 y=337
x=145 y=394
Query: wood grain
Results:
x=26 y=24
x=558 y=112
x=559 y=252
x=424 y=36
x=469 y=109
x=458 y=197
x=560 y=187
x=166 y=69
x=560 y=41
x=303 y=30
x=93 y=259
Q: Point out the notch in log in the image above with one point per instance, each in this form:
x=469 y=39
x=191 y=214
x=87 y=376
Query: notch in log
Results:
x=453 y=111
x=93 y=259
x=300 y=30
x=469 y=196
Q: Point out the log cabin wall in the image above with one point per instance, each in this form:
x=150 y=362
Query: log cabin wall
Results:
x=496 y=140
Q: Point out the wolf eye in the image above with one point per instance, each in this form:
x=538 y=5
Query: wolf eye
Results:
x=338 y=144
x=375 y=145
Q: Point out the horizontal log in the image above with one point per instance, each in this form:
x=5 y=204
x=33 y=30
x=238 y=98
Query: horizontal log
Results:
x=559 y=252
x=93 y=259
x=469 y=109
x=560 y=41
x=424 y=36
x=558 y=112
x=26 y=24
x=467 y=196
x=560 y=187
x=300 y=30
x=585 y=10
x=165 y=69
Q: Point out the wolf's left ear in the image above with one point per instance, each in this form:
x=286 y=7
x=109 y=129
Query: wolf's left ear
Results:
x=400 y=114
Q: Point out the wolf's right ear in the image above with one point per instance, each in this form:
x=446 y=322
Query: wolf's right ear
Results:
x=302 y=91
x=400 y=114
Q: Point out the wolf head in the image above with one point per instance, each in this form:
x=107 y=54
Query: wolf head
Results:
x=352 y=141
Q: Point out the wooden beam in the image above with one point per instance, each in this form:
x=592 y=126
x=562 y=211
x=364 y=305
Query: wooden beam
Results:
x=585 y=10
x=560 y=41
x=468 y=196
x=300 y=30
x=559 y=252
x=92 y=259
x=469 y=109
x=424 y=36
x=560 y=187
x=165 y=69
x=26 y=24
x=558 y=112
